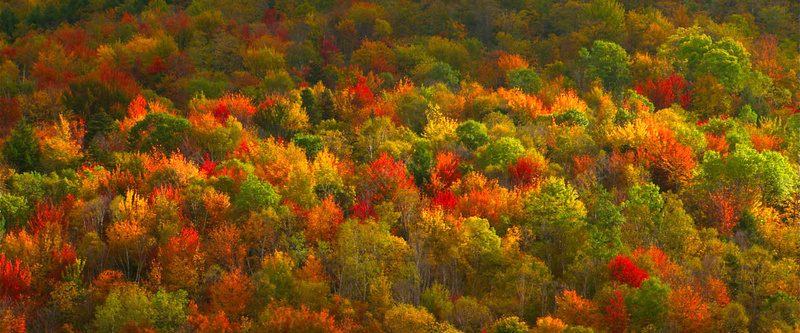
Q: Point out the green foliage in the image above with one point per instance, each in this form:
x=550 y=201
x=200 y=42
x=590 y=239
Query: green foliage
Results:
x=649 y=305
x=501 y=152
x=767 y=174
x=170 y=310
x=437 y=300
x=312 y=144
x=125 y=306
x=557 y=218
x=421 y=162
x=525 y=79
x=472 y=134
x=442 y=72
x=605 y=219
x=336 y=238
x=159 y=130
x=609 y=62
x=572 y=117
x=255 y=195
x=21 y=151
x=14 y=211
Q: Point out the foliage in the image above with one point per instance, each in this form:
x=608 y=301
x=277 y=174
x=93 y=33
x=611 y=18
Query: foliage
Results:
x=394 y=166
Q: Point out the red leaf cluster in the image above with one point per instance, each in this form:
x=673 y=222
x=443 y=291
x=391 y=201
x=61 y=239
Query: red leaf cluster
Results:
x=624 y=270
x=617 y=316
x=526 y=172
x=663 y=92
x=14 y=279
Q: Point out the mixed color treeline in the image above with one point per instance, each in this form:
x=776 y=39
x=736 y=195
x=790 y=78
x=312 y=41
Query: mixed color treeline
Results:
x=399 y=166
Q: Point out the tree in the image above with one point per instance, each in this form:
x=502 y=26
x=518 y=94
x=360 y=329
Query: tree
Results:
x=649 y=305
x=21 y=150
x=407 y=318
x=525 y=79
x=159 y=130
x=232 y=294
x=125 y=307
x=617 y=317
x=509 y=325
x=557 y=218
x=622 y=269
x=609 y=62
x=576 y=310
x=255 y=195
x=501 y=152
x=14 y=279
x=472 y=134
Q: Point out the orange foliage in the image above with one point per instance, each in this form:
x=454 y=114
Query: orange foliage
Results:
x=287 y=319
x=511 y=61
x=105 y=282
x=485 y=198
x=765 y=142
x=11 y=323
x=582 y=163
x=689 y=310
x=231 y=294
x=518 y=102
x=671 y=163
x=225 y=246
x=445 y=172
x=313 y=270
x=725 y=210
x=666 y=269
x=323 y=221
x=576 y=310
x=219 y=323
x=567 y=101
x=716 y=291
x=717 y=143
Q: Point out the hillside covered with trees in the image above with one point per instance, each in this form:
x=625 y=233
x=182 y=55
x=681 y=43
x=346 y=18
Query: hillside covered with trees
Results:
x=399 y=166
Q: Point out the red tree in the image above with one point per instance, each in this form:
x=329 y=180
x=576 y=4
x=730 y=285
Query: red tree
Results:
x=526 y=172
x=14 y=279
x=624 y=270
x=663 y=92
x=617 y=316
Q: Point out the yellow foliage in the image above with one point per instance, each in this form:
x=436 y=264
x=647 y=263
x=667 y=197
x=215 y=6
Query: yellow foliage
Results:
x=61 y=145
x=632 y=134
x=133 y=207
x=440 y=129
x=567 y=101
x=550 y=325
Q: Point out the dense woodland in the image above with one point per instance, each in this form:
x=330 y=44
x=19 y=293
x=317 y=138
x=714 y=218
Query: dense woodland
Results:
x=399 y=166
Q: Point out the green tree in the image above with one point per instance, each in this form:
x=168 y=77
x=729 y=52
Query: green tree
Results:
x=605 y=220
x=170 y=310
x=128 y=306
x=472 y=134
x=311 y=143
x=501 y=152
x=159 y=130
x=609 y=62
x=650 y=304
x=22 y=150
x=525 y=79
x=557 y=218
x=255 y=195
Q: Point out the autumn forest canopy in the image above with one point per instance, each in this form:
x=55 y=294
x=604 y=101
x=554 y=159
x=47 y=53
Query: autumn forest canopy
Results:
x=399 y=166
